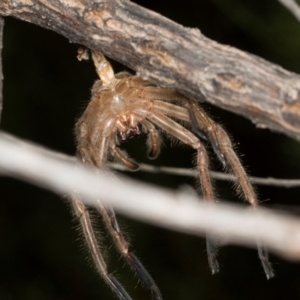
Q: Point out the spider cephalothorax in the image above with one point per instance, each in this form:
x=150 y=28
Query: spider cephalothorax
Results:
x=122 y=106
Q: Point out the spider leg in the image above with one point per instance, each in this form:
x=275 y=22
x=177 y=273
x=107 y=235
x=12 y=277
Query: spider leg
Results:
x=187 y=137
x=235 y=165
x=123 y=247
x=224 y=150
x=122 y=157
x=171 y=110
x=83 y=154
x=192 y=107
x=99 y=152
x=207 y=125
x=138 y=81
x=83 y=215
x=212 y=254
x=91 y=149
x=196 y=128
x=153 y=139
x=83 y=143
x=193 y=114
x=91 y=240
x=100 y=146
x=103 y=68
x=180 y=113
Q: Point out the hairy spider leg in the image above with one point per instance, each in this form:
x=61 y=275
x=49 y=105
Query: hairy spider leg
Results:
x=181 y=113
x=207 y=125
x=182 y=134
x=91 y=150
x=236 y=167
x=226 y=148
x=123 y=247
x=99 y=157
x=107 y=76
x=201 y=125
x=195 y=126
x=264 y=258
x=153 y=140
x=84 y=217
x=103 y=68
x=122 y=157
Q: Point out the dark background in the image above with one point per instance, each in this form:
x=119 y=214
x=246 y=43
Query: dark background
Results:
x=46 y=89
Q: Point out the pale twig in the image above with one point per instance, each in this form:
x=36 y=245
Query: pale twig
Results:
x=287 y=183
x=293 y=7
x=174 y=210
x=269 y=181
x=277 y=182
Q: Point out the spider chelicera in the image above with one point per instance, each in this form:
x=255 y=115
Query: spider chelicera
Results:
x=123 y=106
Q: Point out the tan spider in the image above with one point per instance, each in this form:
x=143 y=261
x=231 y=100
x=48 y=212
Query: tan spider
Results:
x=122 y=107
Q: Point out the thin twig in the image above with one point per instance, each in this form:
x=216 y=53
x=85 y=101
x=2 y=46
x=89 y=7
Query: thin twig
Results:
x=287 y=183
x=179 y=211
x=293 y=7
x=277 y=182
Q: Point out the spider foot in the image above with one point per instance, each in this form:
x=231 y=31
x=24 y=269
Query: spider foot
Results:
x=144 y=276
x=213 y=264
x=155 y=293
x=212 y=252
x=208 y=132
x=264 y=258
x=117 y=287
x=218 y=152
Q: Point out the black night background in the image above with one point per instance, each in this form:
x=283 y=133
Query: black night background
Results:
x=46 y=89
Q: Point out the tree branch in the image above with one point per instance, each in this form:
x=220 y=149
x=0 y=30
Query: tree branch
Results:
x=179 y=211
x=292 y=6
x=173 y=56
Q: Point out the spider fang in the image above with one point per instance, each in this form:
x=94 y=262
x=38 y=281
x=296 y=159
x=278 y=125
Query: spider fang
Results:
x=131 y=132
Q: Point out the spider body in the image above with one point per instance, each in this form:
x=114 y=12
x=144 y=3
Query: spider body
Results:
x=117 y=112
x=122 y=107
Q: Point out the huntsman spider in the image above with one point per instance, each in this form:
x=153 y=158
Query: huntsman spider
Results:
x=124 y=106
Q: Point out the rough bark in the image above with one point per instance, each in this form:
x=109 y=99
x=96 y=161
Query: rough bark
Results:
x=173 y=56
